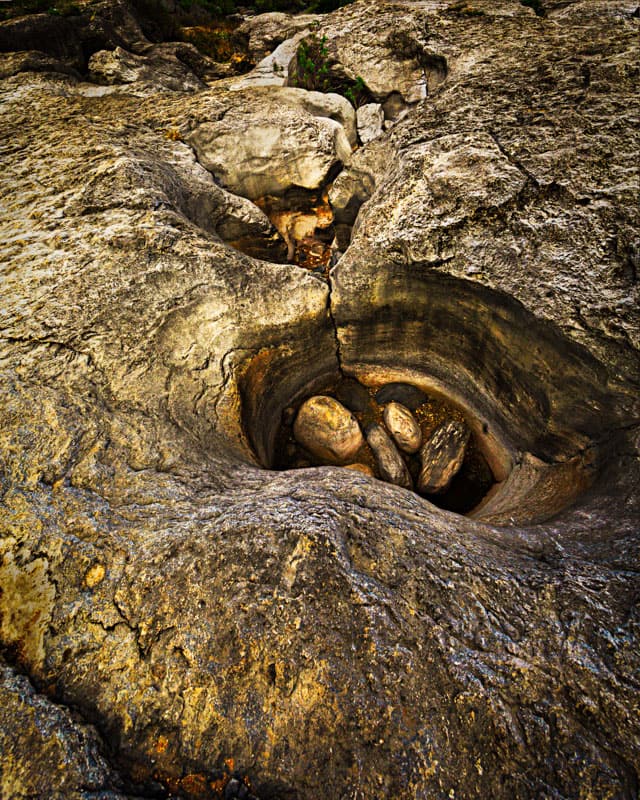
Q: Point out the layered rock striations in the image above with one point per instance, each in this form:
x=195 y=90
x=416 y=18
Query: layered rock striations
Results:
x=168 y=601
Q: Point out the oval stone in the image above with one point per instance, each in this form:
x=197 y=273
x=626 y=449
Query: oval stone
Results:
x=328 y=430
x=402 y=425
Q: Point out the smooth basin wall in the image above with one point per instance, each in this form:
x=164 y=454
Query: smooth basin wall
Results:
x=546 y=394
x=277 y=378
x=537 y=401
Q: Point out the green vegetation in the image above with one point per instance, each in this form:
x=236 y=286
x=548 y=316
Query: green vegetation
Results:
x=313 y=64
x=358 y=94
x=18 y=8
x=313 y=72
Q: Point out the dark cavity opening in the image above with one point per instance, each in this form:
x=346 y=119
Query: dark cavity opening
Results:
x=304 y=230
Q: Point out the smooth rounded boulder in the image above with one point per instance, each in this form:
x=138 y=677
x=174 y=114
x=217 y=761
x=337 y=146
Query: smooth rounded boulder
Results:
x=328 y=430
x=403 y=427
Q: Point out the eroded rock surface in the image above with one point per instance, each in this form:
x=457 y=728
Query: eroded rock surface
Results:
x=370 y=121
x=334 y=635
x=266 y=148
x=46 y=751
x=119 y=66
x=267 y=31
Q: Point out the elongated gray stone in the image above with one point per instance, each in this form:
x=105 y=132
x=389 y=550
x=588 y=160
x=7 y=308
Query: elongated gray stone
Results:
x=390 y=463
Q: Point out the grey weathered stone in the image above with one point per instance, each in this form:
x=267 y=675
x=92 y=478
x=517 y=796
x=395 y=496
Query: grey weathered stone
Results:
x=273 y=69
x=267 y=142
x=148 y=73
x=388 y=460
x=267 y=31
x=441 y=456
x=196 y=605
x=370 y=118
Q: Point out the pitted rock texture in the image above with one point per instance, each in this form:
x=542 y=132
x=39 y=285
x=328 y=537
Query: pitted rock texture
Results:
x=335 y=635
x=163 y=72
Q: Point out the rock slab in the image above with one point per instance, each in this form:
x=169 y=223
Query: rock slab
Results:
x=441 y=457
x=370 y=119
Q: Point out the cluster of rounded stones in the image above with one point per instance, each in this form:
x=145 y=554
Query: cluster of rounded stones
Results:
x=327 y=429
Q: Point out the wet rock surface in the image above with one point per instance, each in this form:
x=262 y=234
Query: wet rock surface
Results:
x=334 y=634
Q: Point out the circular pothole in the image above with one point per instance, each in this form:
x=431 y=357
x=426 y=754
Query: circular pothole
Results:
x=536 y=406
x=453 y=475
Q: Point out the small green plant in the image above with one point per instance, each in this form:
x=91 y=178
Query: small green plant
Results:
x=357 y=94
x=313 y=64
x=313 y=72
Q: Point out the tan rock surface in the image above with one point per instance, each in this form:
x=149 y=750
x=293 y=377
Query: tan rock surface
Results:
x=403 y=427
x=268 y=147
x=335 y=636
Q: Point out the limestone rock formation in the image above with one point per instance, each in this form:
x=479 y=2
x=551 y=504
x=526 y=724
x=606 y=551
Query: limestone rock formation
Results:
x=45 y=751
x=370 y=118
x=267 y=31
x=119 y=66
x=168 y=600
x=255 y=149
